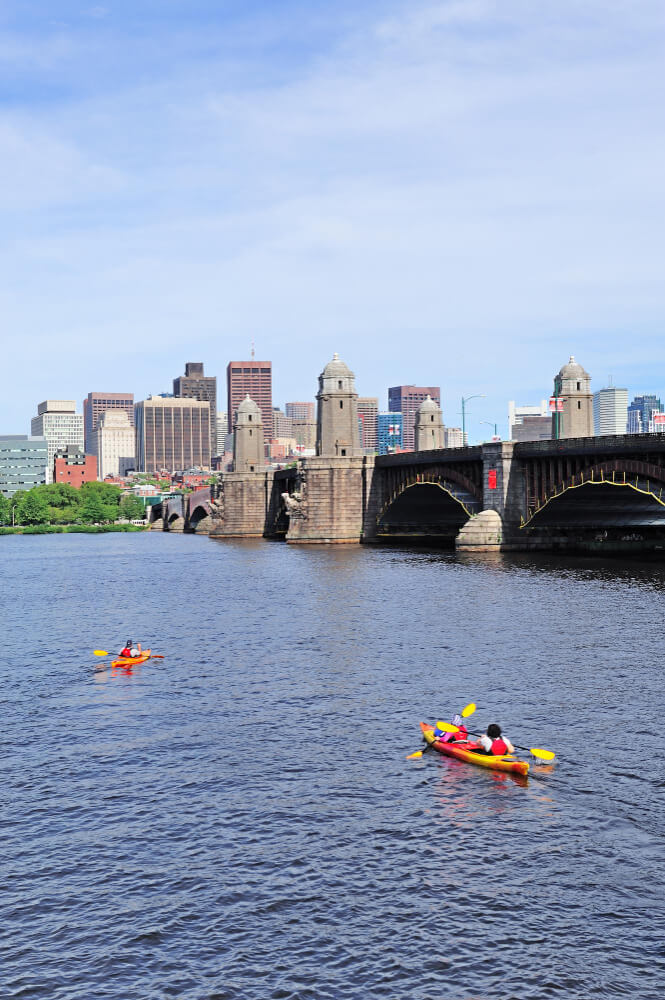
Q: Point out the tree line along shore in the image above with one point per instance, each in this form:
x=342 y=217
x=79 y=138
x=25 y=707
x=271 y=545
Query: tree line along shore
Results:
x=58 y=507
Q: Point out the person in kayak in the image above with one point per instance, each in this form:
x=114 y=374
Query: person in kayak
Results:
x=493 y=743
x=130 y=650
x=461 y=736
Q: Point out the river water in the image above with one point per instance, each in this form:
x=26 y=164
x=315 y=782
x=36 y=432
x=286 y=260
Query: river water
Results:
x=239 y=821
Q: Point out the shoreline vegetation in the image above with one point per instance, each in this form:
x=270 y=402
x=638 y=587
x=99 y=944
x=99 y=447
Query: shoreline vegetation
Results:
x=63 y=529
x=58 y=508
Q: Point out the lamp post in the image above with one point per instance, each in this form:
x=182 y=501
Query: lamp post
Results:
x=490 y=424
x=465 y=400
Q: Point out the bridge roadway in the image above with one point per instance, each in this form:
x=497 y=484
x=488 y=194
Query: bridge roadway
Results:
x=599 y=493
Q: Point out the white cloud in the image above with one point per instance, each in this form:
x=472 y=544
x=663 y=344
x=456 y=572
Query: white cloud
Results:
x=469 y=189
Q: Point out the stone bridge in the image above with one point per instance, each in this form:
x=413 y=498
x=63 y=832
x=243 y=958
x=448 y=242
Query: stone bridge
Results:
x=597 y=493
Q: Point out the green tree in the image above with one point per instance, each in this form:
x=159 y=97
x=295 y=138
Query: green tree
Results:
x=5 y=510
x=93 y=510
x=131 y=508
x=32 y=509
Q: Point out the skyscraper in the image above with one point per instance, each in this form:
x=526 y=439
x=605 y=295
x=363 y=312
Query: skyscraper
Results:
x=389 y=432
x=368 y=412
x=97 y=403
x=640 y=412
x=114 y=444
x=57 y=421
x=22 y=462
x=610 y=410
x=195 y=384
x=407 y=399
x=300 y=411
x=172 y=434
x=253 y=379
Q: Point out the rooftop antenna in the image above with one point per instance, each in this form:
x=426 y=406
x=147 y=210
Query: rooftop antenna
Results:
x=252 y=350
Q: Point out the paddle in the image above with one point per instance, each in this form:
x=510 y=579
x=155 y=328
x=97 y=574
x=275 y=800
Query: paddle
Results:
x=103 y=652
x=536 y=751
x=447 y=727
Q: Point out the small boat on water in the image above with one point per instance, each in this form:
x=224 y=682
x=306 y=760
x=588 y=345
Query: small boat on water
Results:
x=131 y=661
x=507 y=762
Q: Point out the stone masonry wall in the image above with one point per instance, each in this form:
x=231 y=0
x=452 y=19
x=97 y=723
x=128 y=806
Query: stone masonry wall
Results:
x=332 y=502
x=246 y=497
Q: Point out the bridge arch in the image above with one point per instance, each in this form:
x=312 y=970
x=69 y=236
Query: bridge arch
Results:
x=427 y=505
x=619 y=493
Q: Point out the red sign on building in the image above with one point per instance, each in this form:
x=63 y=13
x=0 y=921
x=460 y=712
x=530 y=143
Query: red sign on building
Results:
x=556 y=403
x=491 y=479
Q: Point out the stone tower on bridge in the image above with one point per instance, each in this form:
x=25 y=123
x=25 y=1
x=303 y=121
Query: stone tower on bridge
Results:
x=248 y=447
x=428 y=428
x=573 y=386
x=337 y=428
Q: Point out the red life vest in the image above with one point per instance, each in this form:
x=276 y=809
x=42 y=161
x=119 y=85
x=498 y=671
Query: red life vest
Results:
x=126 y=652
x=499 y=747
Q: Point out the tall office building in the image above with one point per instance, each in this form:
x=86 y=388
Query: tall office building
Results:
x=300 y=411
x=282 y=424
x=97 y=403
x=22 y=462
x=389 y=433
x=640 y=412
x=114 y=444
x=455 y=437
x=368 y=413
x=518 y=413
x=57 y=421
x=407 y=399
x=195 y=384
x=610 y=410
x=172 y=434
x=253 y=379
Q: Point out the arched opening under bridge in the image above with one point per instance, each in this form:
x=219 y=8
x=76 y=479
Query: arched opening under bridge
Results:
x=425 y=512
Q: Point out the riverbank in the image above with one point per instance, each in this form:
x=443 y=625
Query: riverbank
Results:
x=60 y=529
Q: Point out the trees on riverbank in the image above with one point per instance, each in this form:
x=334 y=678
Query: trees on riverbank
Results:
x=60 y=504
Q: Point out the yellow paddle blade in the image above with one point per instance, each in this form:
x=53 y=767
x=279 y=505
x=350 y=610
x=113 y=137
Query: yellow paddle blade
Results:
x=543 y=754
x=446 y=727
x=100 y=652
x=412 y=756
x=468 y=710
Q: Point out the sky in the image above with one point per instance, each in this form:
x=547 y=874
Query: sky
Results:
x=459 y=193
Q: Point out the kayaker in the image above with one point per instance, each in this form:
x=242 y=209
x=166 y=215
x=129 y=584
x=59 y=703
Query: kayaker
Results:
x=130 y=650
x=461 y=736
x=493 y=743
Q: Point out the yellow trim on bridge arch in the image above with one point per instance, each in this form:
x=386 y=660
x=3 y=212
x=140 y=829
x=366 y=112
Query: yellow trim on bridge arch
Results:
x=596 y=482
x=420 y=482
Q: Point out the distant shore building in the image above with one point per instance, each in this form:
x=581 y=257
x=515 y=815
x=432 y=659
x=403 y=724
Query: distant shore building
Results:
x=114 y=443
x=172 y=434
x=282 y=425
x=57 y=421
x=22 y=462
x=195 y=384
x=300 y=411
x=389 y=432
x=529 y=421
x=406 y=399
x=74 y=467
x=455 y=437
x=253 y=379
x=97 y=403
x=610 y=411
x=640 y=413
x=368 y=414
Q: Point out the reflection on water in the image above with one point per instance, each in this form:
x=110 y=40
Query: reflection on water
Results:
x=239 y=820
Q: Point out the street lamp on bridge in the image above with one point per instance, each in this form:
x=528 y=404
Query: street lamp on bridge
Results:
x=490 y=424
x=465 y=400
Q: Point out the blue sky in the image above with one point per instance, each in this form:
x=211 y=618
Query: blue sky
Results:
x=459 y=193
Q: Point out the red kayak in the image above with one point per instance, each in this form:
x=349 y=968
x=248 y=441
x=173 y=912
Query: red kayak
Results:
x=460 y=750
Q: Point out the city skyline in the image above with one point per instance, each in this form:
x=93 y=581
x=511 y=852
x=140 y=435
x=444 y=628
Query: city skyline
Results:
x=475 y=184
